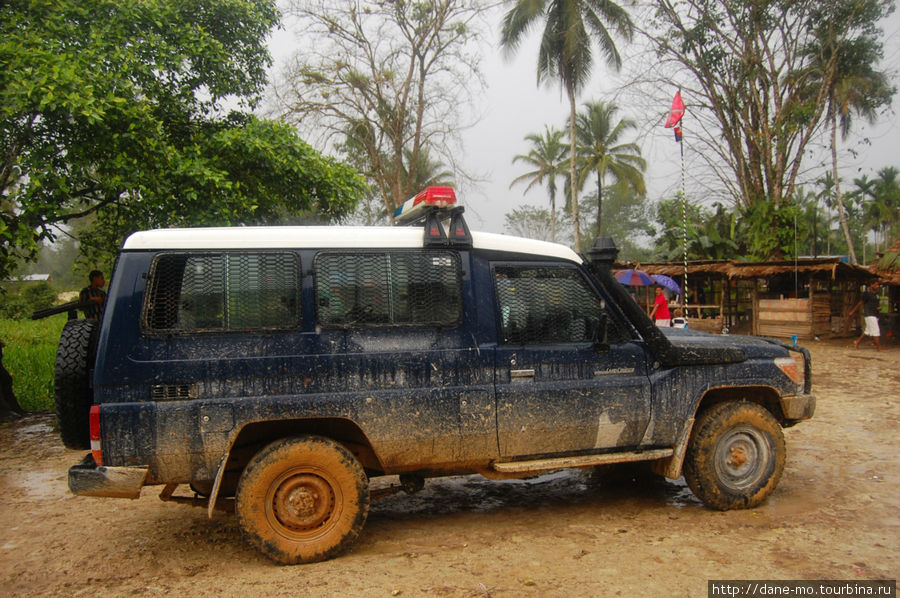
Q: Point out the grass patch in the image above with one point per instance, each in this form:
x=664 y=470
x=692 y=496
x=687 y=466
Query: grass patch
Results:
x=29 y=355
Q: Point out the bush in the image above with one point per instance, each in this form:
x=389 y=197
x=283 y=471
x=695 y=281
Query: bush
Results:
x=29 y=354
x=20 y=301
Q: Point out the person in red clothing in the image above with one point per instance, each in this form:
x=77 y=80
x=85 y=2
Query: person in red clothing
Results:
x=661 y=309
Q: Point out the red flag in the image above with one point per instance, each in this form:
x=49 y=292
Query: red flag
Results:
x=677 y=111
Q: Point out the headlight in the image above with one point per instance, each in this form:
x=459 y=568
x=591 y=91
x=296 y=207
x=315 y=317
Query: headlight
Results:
x=792 y=369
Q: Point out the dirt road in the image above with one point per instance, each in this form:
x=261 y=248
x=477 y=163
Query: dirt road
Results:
x=836 y=515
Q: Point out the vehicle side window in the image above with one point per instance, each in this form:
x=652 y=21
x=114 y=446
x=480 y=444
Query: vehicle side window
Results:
x=392 y=288
x=546 y=305
x=229 y=291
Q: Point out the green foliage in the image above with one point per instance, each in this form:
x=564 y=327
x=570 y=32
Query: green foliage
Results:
x=533 y=222
x=710 y=234
x=115 y=108
x=603 y=151
x=763 y=77
x=628 y=221
x=768 y=230
x=384 y=82
x=877 y=202
x=566 y=54
x=548 y=157
x=631 y=228
x=29 y=354
x=570 y=29
x=21 y=299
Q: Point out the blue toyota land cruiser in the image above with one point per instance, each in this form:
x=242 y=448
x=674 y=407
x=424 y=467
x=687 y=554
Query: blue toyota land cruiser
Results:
x=277 y=370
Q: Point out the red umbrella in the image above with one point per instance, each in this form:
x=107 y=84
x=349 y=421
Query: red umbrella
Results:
x=634 y=278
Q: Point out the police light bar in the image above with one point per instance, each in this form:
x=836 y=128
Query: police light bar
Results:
x=416 y=207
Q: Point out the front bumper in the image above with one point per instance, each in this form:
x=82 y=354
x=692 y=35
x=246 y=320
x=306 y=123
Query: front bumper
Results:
x=798 y=407
x=89 y=479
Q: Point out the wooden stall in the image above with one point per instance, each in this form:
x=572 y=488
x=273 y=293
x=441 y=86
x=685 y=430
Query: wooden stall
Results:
x=887 y=267
x=809 y=297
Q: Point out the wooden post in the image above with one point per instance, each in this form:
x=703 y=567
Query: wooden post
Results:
x=754 y=309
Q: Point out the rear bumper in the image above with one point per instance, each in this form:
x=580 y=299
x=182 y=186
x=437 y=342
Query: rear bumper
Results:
x=798 y=407
x=89 y=479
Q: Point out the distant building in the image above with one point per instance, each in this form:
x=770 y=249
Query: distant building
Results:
x=31 y=278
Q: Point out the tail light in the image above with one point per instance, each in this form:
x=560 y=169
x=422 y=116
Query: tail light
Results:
x=95 y=435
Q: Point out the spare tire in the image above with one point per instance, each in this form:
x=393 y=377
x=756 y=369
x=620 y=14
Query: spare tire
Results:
x=74 y=395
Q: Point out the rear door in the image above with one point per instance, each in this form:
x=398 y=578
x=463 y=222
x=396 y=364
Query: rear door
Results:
x=396 y=345
x=558 y=389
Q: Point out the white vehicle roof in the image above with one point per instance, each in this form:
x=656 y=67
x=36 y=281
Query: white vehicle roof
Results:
x=325 y=237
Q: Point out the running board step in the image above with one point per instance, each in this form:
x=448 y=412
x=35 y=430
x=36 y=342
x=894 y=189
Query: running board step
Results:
x=580 y=461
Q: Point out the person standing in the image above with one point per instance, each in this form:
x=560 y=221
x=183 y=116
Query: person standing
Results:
x=660 y=309
x=94 y=296
x=869 y=303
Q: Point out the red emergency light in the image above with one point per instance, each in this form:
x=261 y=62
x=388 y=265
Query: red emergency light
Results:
x=432 y=197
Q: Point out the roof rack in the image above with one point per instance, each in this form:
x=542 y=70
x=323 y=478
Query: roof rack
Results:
x=431 y=208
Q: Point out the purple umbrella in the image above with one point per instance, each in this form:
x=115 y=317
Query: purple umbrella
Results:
x=634 y=278
x=666 y=282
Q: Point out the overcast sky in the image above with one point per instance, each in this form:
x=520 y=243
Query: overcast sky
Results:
x=512 y=106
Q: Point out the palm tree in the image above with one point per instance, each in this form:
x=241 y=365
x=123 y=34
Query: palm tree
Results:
x=879 y=200
x=548 y=157
x=426 y=172
x=566 y=51
x=854 y=86
x=601 y=150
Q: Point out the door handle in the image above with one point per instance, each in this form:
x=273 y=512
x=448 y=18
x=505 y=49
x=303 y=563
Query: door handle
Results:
x=521 y=373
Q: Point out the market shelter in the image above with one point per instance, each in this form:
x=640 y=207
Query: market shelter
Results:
x=809 y=297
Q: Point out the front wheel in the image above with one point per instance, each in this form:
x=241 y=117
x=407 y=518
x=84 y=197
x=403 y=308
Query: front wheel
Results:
x=302 y=500
x=735 y=457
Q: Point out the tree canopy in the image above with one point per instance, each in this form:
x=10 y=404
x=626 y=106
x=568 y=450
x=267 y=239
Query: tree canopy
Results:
x=548 y=156
x=119 y=109
x=757 y=90
x=566 y=53
x=384 y=82
x=603 y=151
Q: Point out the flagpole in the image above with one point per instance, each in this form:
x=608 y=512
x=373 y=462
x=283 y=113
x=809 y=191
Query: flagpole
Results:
x=672 y=121
x=684 y=232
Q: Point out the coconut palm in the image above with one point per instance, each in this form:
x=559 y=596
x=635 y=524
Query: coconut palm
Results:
x=426 y=172
x=566 y=52
x=602 y=150
x=879 y=200
x=854 y=87
x=548 y=158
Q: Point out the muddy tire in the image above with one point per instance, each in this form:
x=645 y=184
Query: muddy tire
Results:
x=302 y=500
x=735 y=457
x=72 y=381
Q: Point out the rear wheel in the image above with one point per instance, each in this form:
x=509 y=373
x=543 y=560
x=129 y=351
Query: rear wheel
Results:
x=302 y=499
x=735 y=457
x=72 y=381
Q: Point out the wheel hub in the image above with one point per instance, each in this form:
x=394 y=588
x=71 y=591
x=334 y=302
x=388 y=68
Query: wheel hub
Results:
x=303 y=502
x=741 y=458
x=737 y=458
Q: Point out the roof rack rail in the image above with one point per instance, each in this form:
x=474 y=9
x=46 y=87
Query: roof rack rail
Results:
x=431 y=208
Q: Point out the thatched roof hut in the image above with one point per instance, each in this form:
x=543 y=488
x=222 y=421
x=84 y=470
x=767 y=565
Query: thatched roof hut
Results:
x=833 y=268
x=809 y=297
x=888 y=265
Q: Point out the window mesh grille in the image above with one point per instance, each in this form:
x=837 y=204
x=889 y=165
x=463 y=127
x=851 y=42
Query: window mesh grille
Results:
x=415 y=288
x=546 y=305
x=223 y=292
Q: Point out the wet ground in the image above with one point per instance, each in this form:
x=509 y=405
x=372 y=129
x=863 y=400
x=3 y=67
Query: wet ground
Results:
x=835 y=515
